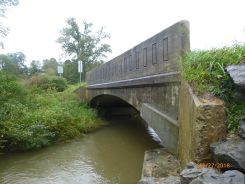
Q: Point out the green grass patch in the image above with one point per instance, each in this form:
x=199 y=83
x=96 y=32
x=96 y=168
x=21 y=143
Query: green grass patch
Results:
x=205 y=72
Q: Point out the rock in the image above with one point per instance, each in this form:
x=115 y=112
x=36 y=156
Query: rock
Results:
x=231 y=151
x=237 y=73
x=146 y=180
x=239 y=96
x=159 y=163
x=187 y=175
x=166 y=180
x=234 y=176
x=242 y=129
x=212 y=177
x=190 y=165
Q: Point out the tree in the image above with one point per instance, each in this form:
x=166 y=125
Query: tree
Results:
x=71 y=71
x=50 y=66
x=14 y=63
x=19 y=59
x=7 y=65
x=84 y=46
x=4 y=5
x=35 y=67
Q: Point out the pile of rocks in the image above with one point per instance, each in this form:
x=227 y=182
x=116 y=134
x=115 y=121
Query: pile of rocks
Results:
x=195 y=175
x=162 y=168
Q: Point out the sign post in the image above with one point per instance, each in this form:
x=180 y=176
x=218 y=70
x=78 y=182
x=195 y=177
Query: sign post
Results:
x=60 y=70
x=80 y=70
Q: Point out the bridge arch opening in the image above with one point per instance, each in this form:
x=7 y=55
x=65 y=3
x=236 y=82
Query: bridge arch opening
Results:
x=109 y=105
x=112 y=107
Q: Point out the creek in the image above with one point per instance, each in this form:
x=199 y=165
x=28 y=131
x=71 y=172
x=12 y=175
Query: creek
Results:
x=110 y=155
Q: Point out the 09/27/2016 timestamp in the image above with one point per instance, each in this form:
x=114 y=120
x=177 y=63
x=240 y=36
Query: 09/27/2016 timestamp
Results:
x=214 y=165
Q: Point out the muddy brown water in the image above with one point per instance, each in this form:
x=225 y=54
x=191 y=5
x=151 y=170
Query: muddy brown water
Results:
x=111 y=155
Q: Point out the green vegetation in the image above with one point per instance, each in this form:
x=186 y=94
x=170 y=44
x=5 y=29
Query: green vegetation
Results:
x=205 y=71
x=32 y=116
x=46 y=82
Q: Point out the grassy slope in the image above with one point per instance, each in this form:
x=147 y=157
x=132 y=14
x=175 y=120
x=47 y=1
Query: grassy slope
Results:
x=205 y=71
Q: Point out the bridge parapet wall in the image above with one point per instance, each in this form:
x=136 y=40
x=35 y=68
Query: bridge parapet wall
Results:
x=159 y=54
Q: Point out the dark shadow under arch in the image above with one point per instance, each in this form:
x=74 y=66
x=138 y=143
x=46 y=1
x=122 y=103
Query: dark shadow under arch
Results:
x=112 y=105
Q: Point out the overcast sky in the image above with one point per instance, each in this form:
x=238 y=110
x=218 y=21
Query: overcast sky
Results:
x=35 y=24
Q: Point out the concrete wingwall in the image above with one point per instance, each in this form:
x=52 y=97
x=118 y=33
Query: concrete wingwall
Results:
x=201 y=122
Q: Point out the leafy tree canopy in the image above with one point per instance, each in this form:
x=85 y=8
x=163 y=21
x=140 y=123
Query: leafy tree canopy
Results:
x=14 y=63
x=84 y=45
x=50 y=66
x=18 y=58
x=35 y=67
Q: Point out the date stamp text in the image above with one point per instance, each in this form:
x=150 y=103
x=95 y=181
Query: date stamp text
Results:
x=214 y=165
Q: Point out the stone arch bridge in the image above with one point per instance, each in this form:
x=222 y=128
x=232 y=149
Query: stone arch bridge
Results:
x=147 y=77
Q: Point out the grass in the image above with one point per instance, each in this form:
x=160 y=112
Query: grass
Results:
x=205 y=72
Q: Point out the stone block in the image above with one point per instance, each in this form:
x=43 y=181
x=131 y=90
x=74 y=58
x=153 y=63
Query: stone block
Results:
x=212 y=177
x=166 y=180
x=231 y=151
x=237 y=73
x=159 y=163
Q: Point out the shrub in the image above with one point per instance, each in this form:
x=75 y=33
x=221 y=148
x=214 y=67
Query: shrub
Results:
x=49 y=82
x=9 y=88
x=42 y=118
x=12 y=95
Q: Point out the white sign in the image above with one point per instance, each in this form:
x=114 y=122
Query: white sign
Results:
x=60 y=69
x=80 y=66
